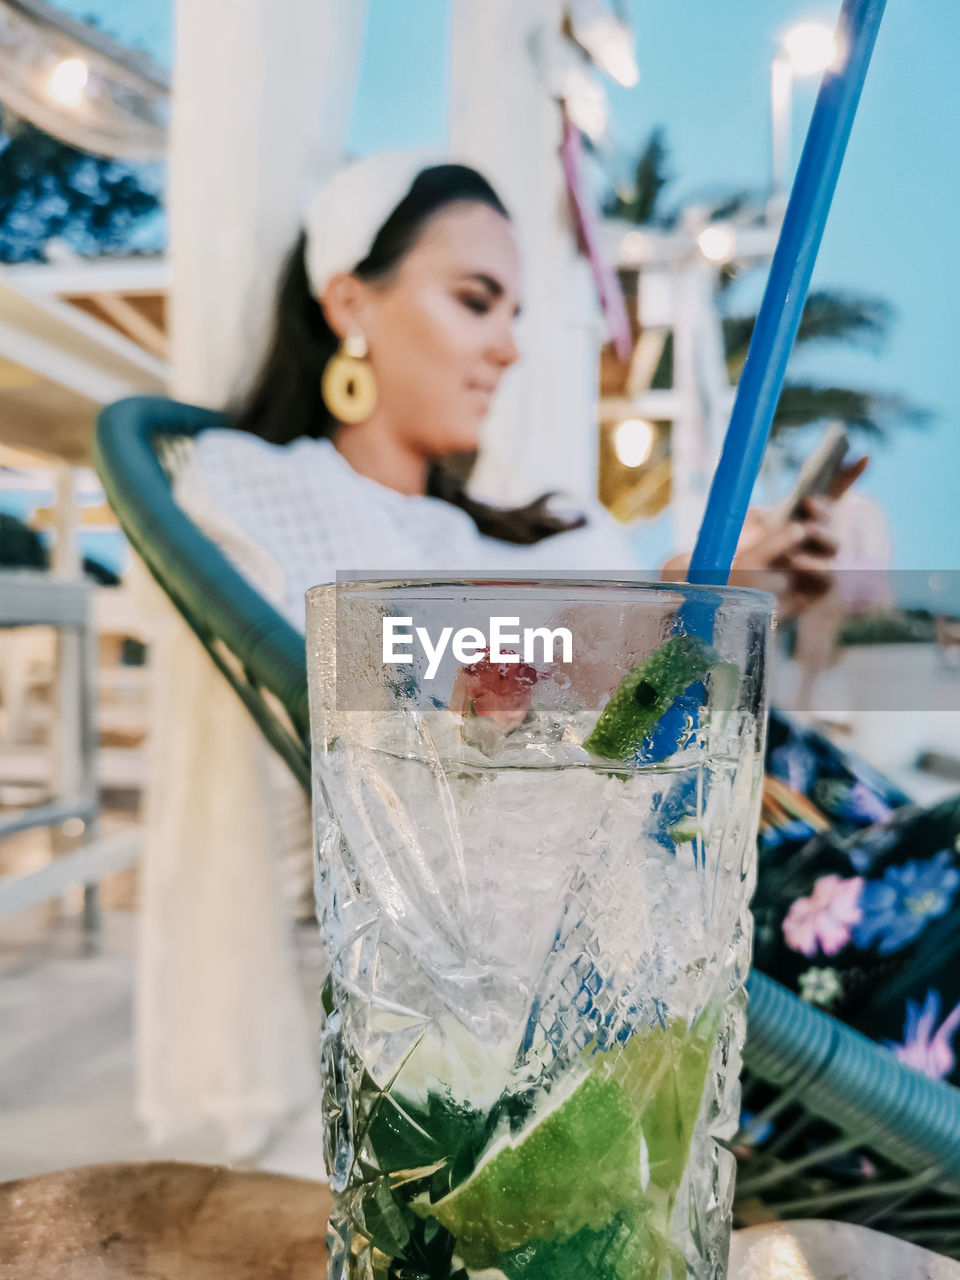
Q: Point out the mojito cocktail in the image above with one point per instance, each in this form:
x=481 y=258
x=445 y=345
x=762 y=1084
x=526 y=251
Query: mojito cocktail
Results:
x=535 y=850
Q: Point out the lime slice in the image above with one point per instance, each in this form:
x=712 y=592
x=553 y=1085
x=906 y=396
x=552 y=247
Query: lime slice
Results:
x=724 y=688
x=646 y=693
x=574 y=1166
x=663 y=1075
x=615 y=1147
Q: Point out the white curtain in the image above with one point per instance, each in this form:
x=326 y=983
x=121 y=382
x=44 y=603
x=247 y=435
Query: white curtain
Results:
x=503 y=119
x=262 y=97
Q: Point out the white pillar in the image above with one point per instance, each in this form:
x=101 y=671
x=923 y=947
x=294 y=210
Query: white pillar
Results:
x=73 y=747
x=687 y=442
x=65 y=562
x=262 y=95
x=542 y=432
x=704 y=397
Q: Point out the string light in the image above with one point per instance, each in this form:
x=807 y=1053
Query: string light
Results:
x=811 y=48
x=633 y=248
x=633 y=441
x=71 y=85
x=717 y=242
x=67 y=82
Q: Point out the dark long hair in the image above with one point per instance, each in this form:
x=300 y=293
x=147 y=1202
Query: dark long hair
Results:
x=284 y=401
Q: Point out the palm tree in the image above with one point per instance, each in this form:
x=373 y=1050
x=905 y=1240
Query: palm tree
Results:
x=830 y=315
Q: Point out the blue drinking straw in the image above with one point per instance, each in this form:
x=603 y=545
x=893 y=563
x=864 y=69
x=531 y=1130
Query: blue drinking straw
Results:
x=783 y=300
x=779 y=318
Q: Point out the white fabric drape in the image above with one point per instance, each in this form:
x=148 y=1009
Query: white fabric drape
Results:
x=262 y=97
x=541 y=433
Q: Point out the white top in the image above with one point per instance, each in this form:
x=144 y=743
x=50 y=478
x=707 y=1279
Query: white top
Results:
x=222 y=1033
x=292 y=516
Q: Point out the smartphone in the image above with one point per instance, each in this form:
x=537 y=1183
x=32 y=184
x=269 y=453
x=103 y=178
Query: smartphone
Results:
x=816 y=475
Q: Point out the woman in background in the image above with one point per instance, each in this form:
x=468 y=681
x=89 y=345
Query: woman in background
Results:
x=394 y=328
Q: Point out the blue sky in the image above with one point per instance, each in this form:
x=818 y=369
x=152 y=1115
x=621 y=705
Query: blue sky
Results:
x=704 y=75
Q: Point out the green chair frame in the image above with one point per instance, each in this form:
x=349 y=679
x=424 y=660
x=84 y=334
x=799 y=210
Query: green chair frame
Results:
x=261 y=654
x=837 y=1094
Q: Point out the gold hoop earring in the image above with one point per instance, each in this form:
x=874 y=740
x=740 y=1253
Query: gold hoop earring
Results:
x=348 y=386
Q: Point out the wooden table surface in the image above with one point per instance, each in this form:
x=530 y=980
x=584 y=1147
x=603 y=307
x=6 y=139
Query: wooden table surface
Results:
x=165 y=1221
x=162 y=1221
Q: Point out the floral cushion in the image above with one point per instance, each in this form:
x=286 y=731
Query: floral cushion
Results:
x=858 y=900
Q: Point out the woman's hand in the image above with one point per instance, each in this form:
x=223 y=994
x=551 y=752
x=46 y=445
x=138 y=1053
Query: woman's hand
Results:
x=793 y=561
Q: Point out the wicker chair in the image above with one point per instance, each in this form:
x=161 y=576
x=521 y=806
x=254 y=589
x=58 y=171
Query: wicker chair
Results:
x=859 y=1136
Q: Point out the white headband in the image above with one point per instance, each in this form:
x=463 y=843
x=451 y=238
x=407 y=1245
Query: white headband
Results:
x=343 y=218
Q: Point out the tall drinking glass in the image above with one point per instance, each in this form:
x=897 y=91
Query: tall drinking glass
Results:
x=535 y=807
